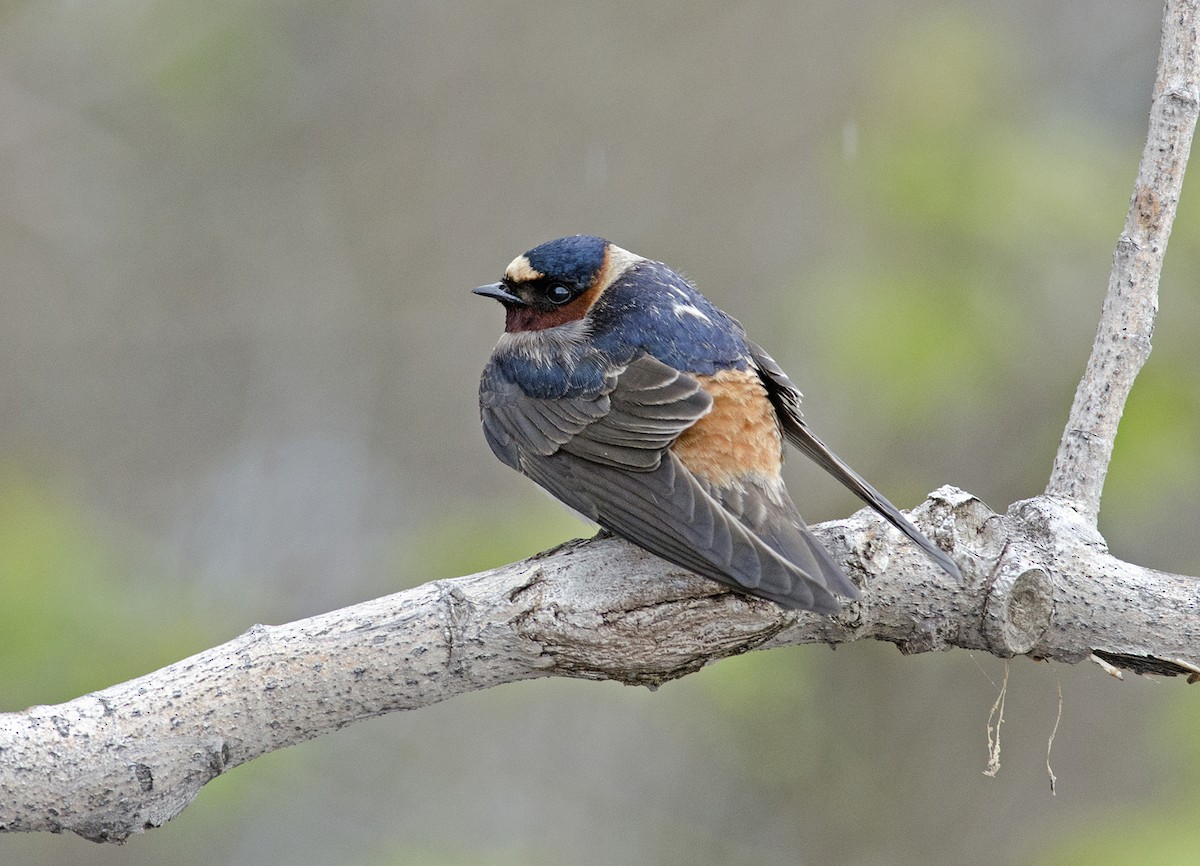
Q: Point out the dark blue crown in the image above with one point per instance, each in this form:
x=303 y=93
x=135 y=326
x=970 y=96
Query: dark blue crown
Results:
x=575 y=259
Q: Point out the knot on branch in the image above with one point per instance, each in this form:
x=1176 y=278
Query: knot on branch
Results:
x=1018 y=609
x=1182 y=96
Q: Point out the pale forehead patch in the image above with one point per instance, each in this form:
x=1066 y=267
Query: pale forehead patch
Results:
x=520 y=271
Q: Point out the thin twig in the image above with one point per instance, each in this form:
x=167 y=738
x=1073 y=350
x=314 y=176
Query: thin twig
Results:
x=1050 y=743
x=1123 y=337
x=993 y=731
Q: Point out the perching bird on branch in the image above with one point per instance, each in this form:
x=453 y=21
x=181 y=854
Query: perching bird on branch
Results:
x=629 y=396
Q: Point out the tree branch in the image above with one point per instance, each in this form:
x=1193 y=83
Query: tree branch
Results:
x=130 y=757
x=1038 y=581
x=1127 y=322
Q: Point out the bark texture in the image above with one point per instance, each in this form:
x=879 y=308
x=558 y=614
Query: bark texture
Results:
x=1038 y=581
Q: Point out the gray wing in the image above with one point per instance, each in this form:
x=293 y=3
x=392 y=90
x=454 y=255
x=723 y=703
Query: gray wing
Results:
x=638 y=412
x=607 y=455
x=786 y=398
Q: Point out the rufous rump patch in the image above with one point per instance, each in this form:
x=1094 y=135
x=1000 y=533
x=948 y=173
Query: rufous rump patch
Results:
x=739 y=437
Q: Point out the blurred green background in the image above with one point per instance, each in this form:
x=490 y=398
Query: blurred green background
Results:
x=238 y=370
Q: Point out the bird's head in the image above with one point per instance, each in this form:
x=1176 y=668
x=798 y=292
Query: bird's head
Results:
x=557 y=282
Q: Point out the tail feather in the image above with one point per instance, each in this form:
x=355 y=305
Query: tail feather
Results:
x=786 y=399
x=804 y=439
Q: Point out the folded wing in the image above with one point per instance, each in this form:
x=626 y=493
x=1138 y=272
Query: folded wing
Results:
x=607 y=455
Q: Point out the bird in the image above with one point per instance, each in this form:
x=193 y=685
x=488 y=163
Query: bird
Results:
x=629 y=396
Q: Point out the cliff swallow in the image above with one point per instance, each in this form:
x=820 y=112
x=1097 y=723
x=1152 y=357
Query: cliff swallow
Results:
x=629 y=396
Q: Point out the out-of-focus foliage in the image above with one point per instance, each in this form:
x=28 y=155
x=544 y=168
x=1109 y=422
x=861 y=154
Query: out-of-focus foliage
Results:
x=1169 y=838
x=964 y=214
x=1158 y=454
x=72 y=621
x=1158 y=829
x=481 y=535
x=238 y=240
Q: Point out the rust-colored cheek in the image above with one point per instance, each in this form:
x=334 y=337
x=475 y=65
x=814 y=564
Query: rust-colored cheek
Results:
x=533 y=319
x=738 y=438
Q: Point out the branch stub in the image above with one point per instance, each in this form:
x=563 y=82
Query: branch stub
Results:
x=1018 y=610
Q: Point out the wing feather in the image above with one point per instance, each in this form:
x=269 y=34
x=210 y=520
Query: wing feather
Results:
x=667 y=512
x=607 y=455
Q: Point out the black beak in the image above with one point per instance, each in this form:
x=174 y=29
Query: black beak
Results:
x=499 y=292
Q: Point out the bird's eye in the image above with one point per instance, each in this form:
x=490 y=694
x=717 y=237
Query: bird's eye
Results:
x=558 y=293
